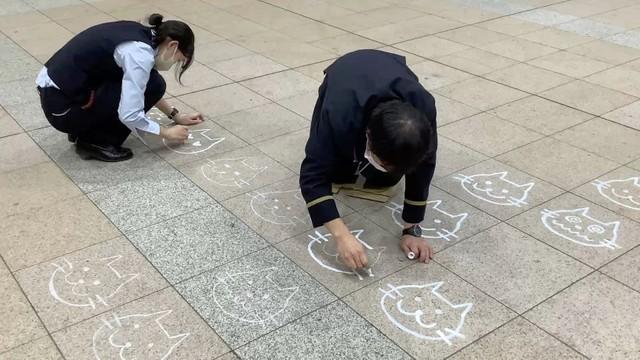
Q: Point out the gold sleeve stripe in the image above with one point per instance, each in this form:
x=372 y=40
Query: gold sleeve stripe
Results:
x=319 y=200
x=415 y=203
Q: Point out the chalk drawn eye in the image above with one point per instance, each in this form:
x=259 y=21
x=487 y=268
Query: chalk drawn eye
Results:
x=438 y=312
x=573 y=219
x=625 y=191
x=437 y=221
x=595 y=229
x=96 y=282
x=85 y=269
x=488 y=182
x=504 y=191
x=417 y=299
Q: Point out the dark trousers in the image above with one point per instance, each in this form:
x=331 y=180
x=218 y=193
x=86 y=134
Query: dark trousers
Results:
x=99 y=123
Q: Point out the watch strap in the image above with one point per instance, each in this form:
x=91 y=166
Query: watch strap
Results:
x=173 y=113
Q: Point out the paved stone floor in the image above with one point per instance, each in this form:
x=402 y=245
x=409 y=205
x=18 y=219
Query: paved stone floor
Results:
x=534 y=211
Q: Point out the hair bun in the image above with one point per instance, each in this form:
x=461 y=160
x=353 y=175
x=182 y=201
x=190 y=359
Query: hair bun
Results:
x=155 y=19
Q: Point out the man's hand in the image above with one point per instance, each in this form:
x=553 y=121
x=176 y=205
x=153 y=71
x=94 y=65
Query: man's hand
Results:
x=188 y=119
x=418 y=246
x=351 y=252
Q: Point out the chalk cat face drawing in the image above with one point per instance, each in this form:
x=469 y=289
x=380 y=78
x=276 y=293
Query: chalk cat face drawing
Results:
x=496 y=188
x=90 y=283
x=322 y=249
x=625 y=193
x=197 y=142
x=423 y=312
x=280 y=207
x=577 y=226
x=252 y=297
x=136 y=337
x=231 y=172
x=438 y=224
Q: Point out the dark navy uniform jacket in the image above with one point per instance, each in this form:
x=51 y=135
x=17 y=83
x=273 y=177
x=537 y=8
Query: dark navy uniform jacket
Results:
x=353 y=85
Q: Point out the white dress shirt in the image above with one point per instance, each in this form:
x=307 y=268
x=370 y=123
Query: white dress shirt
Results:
x=136 y=60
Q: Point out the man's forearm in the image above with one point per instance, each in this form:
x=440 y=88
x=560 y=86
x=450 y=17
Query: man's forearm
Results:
x=163 y=105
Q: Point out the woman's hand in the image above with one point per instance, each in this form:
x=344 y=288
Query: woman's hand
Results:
x=188 y=119
x=176 y=133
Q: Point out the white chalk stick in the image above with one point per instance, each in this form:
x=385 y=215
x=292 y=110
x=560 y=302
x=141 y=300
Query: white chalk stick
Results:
x=411 y=256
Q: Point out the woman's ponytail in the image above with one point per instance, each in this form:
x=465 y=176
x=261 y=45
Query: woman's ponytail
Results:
x=155 y=20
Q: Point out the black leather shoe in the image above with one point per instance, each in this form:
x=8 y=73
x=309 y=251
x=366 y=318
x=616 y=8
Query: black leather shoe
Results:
x=108 y=153
x=72 y=138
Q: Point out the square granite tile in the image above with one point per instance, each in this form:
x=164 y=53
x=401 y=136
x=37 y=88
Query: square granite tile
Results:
x=476 y=61
x=433 y=75
x=453 y=157
x=41 y=349
x=211 y=53
x=596 y=136
x=149 y=201
x=21 y=325
x=447 y=219
x=287 y=149
x=96 y=175
x=431 y=46
x=618 y=191
x=489 y=134
x=85 y=283
x=282 y=85
x=522 y=271
x=262 y=122
x=628 y=115
x=277 y=212
x=160 y=325
x=228 y=98
x=327 y=333
x=472 y=35
x=580 y=229
x=588 y=97
x=558 y=163
x=451 y=110
x=528 y=78
x=518 y=339
x=497 y=189
x=237 y=172
x=196 y=242
x=607 y=52
x=32 y=187
x=19 y=151
x=199 y=77
x=480 y=93
x=570 y=64
x=626 y=269
x=620 y=79
x=590 y=315
x=541 y=115
x=559 y=39
x=253 y=296
x=8 y=126
x=510 y=26
x=247 y=67
x=301 y=104
x=518 y=49
x=346 y=43
x=589 y=27
x=409 y=29
x=54 y=230
x=316 y=252
x=457 y=313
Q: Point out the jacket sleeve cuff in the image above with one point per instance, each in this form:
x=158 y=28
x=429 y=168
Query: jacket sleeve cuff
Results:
x=322 y=210
x=413 y=212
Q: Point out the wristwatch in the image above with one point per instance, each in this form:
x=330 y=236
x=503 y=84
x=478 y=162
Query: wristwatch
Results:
x=173 y=114
x=414 y=230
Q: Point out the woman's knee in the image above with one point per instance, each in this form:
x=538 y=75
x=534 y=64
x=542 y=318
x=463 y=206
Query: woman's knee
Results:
x=156 y=87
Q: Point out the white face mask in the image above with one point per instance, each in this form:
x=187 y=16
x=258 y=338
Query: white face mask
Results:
x=369 y=156
x=164 y=63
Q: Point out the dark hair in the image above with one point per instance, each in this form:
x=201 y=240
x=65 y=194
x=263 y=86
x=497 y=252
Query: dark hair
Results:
x=178 y=31
x=400 y=135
